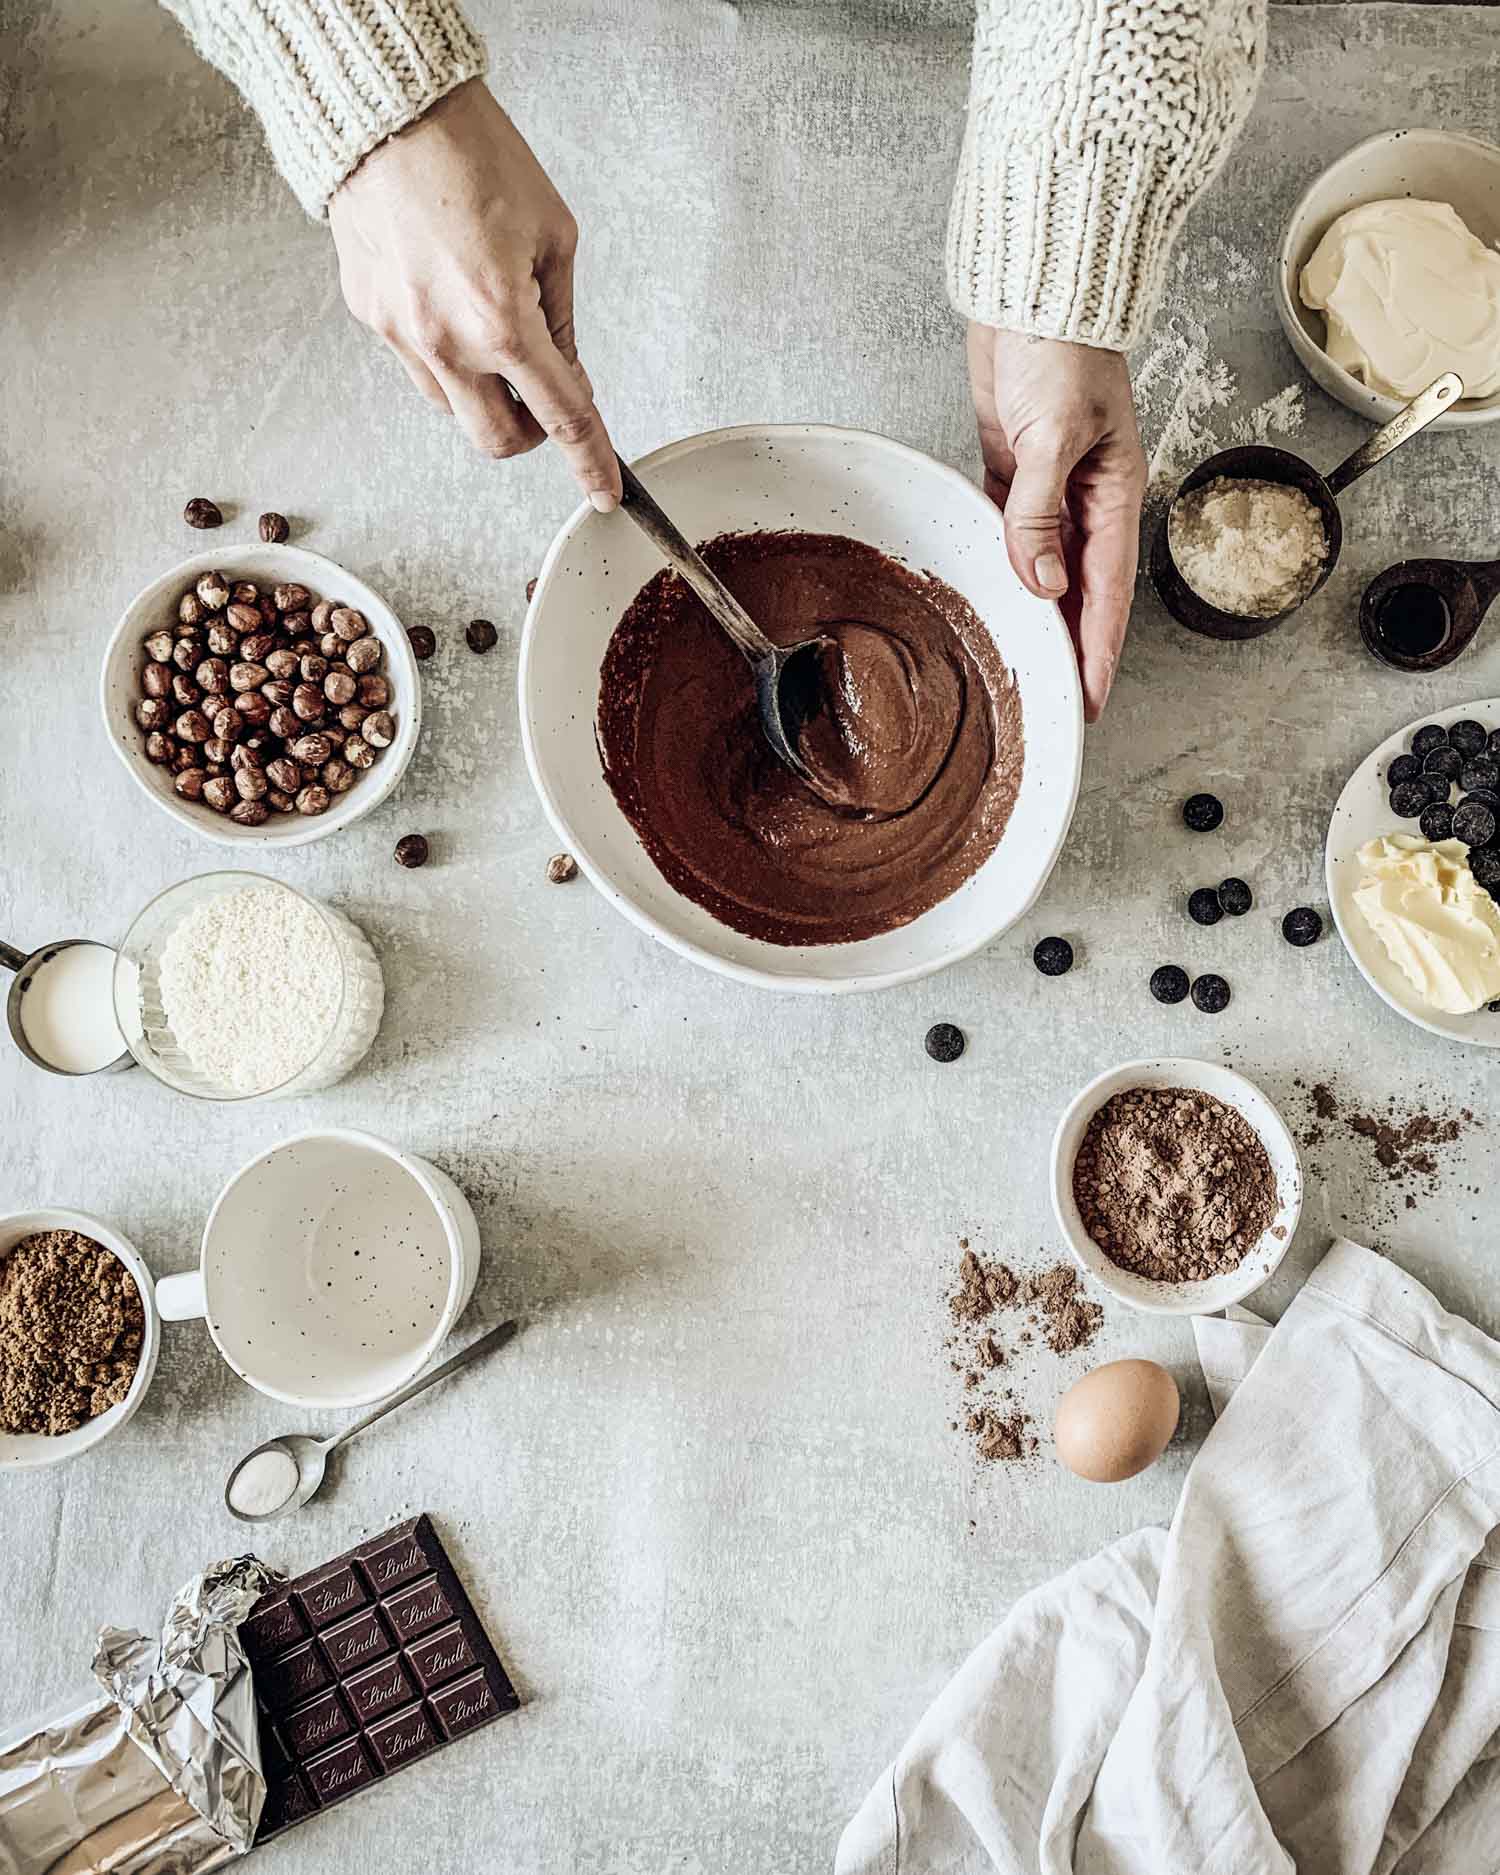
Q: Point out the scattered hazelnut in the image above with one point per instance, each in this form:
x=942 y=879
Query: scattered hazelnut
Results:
x=313 y=667
x=185 y=693
x=186 y=757
x=192 y=726
x=213 y=676
x=201 y=512
x=322 y=612
x=313 y=799
x=281 y=803
x=358 y=753
x=213 y=590
x=247 y=676
x=189 y=783
x=411 y=850
x=159 y=748
x=250 y=813
x=250 y=782
x=228 y=723
x=159 y=647
x=156 y=680
x=347 y=624
x=374 y=692
x=423 y=642
x=277 y=691
x=379 y=729
x=218 y=751
x=273 y=528
x=291 y=597
x=561 y=868
x=363 y=655
x=190 y=609
x=281 y=663
x=243 y=756
x=297 y=624
x=283 y=773
x=253 y=707
x=339 y=687
x=337 y=776
x=331 y=645
x=218 y=793
x=285 y=722
x=481 y=634
x=312 y=751
x=223 y=639
x=187 y=651
x=352 y=715
x=244 y=592
x=256 y=647
x=308 y=702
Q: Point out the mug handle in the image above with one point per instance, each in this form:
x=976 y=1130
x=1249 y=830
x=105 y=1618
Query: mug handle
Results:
x=181 y=1298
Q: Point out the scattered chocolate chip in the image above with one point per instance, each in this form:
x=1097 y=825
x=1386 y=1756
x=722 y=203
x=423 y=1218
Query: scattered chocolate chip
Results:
x=1474 y=823
x=1201 y=813
x=273 y=527
x=423 y=641
x=201 y=512
x=1204 y=907
x=1302 y=927
x=1053 y=957
x=1210 y=994
x=561 y=868
x=480 y=634
x=944 y=1042
x=1408 y=798
x=1236 y=898
x=1169 y=983
x=412 y=850
x=1430 y=736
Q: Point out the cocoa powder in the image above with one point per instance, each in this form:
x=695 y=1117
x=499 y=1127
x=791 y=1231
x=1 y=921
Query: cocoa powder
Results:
x=1407 y=1139
x=1173 y=1184
x=71 y=1327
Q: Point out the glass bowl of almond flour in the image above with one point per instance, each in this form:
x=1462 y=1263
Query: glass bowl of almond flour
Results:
x=232 y=986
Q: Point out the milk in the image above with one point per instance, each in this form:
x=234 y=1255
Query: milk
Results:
x=68 y=1010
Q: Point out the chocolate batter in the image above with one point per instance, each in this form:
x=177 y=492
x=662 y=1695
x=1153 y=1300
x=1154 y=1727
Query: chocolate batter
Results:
x=915 y=749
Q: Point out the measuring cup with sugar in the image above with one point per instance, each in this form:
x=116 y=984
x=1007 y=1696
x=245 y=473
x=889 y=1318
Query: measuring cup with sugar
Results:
x=61 y=1010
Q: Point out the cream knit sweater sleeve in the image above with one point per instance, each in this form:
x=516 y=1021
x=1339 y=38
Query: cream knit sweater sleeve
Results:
x=1093 y=126
x=330 y=79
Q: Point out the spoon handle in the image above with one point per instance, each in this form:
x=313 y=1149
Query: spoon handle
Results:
x=1417 y=415
x=495 y=1338
x=689 y=565
x=10 y=957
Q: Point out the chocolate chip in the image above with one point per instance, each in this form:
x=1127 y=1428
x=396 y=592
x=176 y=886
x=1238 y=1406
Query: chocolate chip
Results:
x=1236 y=898
x=423 y=641
x=1408 y=798
x=1201 y=813
x=1437 y=822
x=1169 y=983
x=1204 y=907
x=1480 y=771
x=411 y=850
x=1446 y=762
x=1402 y=768
x=201 y=512
x=944 y=1042
x=481 y=635
x=1468 y=737
x=1302 y=927
x=1053 y=957
x=1474 y=824
x=1484 y=863
x=1430 y=736
x=1210 y=994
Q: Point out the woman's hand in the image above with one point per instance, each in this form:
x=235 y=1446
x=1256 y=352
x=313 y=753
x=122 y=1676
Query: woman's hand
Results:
x=1063 y=458
x=456 y=249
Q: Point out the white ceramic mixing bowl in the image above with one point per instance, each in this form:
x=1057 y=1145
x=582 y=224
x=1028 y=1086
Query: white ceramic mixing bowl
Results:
x=822 y=480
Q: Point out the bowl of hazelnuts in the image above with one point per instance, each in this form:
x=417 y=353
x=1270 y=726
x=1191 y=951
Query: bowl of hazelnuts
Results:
x=261 y=695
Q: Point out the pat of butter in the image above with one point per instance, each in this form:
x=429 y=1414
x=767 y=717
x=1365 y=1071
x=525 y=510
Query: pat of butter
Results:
x=1408 y=293
x=1438 y=924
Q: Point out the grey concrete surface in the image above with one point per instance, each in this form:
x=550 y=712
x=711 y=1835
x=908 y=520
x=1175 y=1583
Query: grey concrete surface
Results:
x=710 y=1502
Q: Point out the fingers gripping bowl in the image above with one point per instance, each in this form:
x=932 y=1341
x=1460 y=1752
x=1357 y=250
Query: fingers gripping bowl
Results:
x=818 y=480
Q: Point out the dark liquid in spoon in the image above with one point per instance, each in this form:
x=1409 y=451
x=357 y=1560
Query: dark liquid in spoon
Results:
x=1413 y=620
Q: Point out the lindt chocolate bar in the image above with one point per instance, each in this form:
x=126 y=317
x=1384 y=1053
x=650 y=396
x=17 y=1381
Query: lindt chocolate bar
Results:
x=363 y=1666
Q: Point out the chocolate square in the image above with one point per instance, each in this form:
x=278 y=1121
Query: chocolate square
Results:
x=356 y=1642
x=287 y=1802
x=291 y=1677
x=275 y=1622
x=402 y=1737
x=379 y=1689
x=465 y=1704
x=331 y=1593
x=441 y=1656
x=314 y=1727
x=394 y=1558
x=340 y=1772
x=415 y=1609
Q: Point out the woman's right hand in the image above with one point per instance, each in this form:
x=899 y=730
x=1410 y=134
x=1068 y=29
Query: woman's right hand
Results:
x=456 y=249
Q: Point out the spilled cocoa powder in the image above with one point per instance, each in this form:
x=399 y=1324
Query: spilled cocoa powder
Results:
x=1408 y=1141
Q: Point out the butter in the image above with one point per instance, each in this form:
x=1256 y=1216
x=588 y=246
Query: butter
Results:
x=1408 y=293
x=1437 y=923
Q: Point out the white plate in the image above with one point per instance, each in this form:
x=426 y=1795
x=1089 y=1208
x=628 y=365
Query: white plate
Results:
x=1362 y=814
x=824 y=480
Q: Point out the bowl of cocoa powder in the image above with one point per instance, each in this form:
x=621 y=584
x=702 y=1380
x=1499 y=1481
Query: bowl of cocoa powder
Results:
x=79 y=1334
x=1176 y=1185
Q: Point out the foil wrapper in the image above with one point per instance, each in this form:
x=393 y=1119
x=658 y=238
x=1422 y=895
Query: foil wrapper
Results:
x=159 y=1776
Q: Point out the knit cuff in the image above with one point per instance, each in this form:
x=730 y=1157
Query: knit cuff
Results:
x=1066 y=244
x=332 y=79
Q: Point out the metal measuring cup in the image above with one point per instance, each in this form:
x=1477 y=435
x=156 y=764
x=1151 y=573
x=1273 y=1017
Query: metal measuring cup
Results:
x=1261 y=462
x=25 y=968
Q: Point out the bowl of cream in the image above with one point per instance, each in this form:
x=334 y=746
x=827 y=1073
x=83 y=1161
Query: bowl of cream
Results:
x=1389 y=276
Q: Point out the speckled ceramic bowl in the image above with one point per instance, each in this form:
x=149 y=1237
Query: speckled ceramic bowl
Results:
x=823 y=480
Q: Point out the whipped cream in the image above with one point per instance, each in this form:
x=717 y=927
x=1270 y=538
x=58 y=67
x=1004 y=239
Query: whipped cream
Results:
x=1437 y=923
x=1408 y=293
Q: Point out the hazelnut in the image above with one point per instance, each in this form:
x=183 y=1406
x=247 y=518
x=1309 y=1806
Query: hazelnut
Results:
x=186 y=757
x=213 y=590
x=358 y=753
x=273 y=528
x=259 y=744
x=283 y=803
x=561 y=868
x=253 y=707
x=250 y=813
x=244 y=592
x=322 y=612
x=291 y=597
x=247 y=676
x=285 y=722
x=213 y=768
x=153 y=713
x=313 y=800
x=189 y=783
x=228 y=723
x=192 y=726
x=331 y=645
x=337 y=776
x=312 y=751
x=250 y=782
x=218 y=750
x=159 y=748
x=201 y=512
x=222 y=639
x=281 y=663
x=304 y=647
x=412 y=850
x=213 y=676
x=363 y=655
x=339 y=687
x=480 y=634
x=374 y=692
x=256 y=647
x=379 y=729
x=423 y=641
x=308 y=702
x=530 y=590
x=352 y=715
x=347 y=624
x=296 y=624
x=283 y=773
x=185 y=693
x=276 y=691
x=159 y=647
x=313 y=667
x=218 y=793
x=191 y=609
x=266 y=606
x=336 y=735
x=156 y=680
x=187 y=651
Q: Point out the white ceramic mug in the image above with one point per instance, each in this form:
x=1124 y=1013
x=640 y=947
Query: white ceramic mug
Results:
x=332 y=1267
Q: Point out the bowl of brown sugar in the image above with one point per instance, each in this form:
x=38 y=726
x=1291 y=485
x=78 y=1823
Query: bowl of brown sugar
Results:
x=1176 y=1185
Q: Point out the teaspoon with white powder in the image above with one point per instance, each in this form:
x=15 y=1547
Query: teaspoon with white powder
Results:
x=281 y=1475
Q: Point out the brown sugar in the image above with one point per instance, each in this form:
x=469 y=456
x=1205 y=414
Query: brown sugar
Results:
x=71 y=1328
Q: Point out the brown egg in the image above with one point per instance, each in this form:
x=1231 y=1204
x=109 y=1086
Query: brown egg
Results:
x=1117 y=1420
